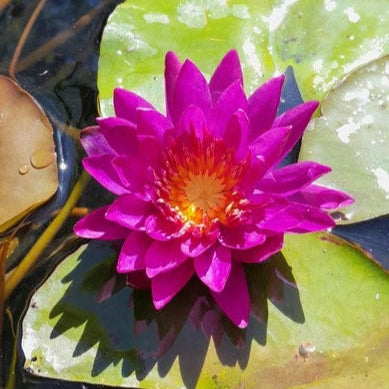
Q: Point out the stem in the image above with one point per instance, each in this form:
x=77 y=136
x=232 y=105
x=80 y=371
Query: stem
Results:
x=36 y=250
x=23 y=38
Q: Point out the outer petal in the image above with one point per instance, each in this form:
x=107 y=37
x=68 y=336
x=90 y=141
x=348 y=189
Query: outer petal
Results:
x=119 y=133
x=193 y=119
x=237 y=133
x=172 y=69
x=241 y=238
x=232 y=99
x=166 y=285
x=191 y=89
x=313 y=219
x=196 y=245
x=227 y=72
x=126 y=104
x=283 y=221
x=297 y=117
x=129 y=211
x=262 y=106
x=322 y=197
x=94 y=142
x=291 y=178
x=161 y=228
x=151 y=122
x=234 y=298
x=260 y=253
x=213 y=267
x=131 y=257
x=101 y=168
x=162 y=257
x=96 y=226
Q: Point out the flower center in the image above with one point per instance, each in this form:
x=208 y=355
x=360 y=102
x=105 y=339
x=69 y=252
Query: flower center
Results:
x=199 y=179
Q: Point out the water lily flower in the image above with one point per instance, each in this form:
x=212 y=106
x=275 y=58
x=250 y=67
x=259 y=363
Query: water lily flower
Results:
x=199 y=190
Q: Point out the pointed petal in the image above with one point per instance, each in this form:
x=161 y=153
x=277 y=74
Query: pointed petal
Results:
x=269 y=146
x=193 y=120
x=191 y=89
x=227 y=72
x=163 y=256
x=237 y=133
x=262 y=106
x=297 y=117
x=94 y=142
x=126 y=104
x=131 y=257
x=292 y=178
x=196 y=245
x=232 y=99
x=260 y=253
x=161 y=228
x=129 y=211
x=213 y=267
x=96 y=226
x=166 y=285
x=322 y=197
x=313 y=219
x=151 y=122
x=172 y=69
x=119 y=133
x=101 y=168
x=234 y=299
x=283 y=221
x=241 y=237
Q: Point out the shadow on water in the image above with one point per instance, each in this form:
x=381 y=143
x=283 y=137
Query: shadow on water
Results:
x=126 y=328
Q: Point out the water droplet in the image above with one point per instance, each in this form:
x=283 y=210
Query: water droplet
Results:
x=41 y=159
x=23 y=169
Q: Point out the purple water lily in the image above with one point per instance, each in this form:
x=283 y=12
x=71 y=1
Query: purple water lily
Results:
x=199 y=190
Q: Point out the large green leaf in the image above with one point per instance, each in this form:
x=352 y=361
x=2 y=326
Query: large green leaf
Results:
x=67 y=333
x=322 y=40
x=352 y=137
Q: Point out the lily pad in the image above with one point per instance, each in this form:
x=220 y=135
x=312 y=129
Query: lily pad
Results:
x=269 y=35
x=352 y=137
x=343 y=342
x=29 y=174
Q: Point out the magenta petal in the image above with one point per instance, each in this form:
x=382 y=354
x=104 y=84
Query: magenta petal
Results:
x=290 y=179
x=161 y=228
x=96 y=226
x=126 y=104
x=297 y=117
x=213 y=267
x=163 y=256
x=148 y=149
x=191 y=89
x=172 y=69
x=313 y=219
x=268 y=147
x=262 y=106
x=322 y=197
x=166 y=285
x=133 y=173
x=272 y=244
x=196 y=245
x=94 y=142
x=283 y=221
x=119 y=133
x=131 y=257
x=151 y=122
x=193 y=120
x=237 y=132
x=241 y=237
x=227 y=72
x=101 y=168
x=234 y=299
x=129 y=211
x=232 y=99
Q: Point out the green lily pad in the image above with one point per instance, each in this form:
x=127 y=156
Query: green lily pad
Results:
x=322 y=40
x=352 y=137
x=343 y=341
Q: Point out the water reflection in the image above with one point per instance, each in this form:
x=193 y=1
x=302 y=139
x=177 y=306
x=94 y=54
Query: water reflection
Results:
x=127 y=328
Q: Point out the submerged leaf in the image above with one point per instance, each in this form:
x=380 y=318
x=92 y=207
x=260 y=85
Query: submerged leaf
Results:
x=29 y=174
x=352 y=137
